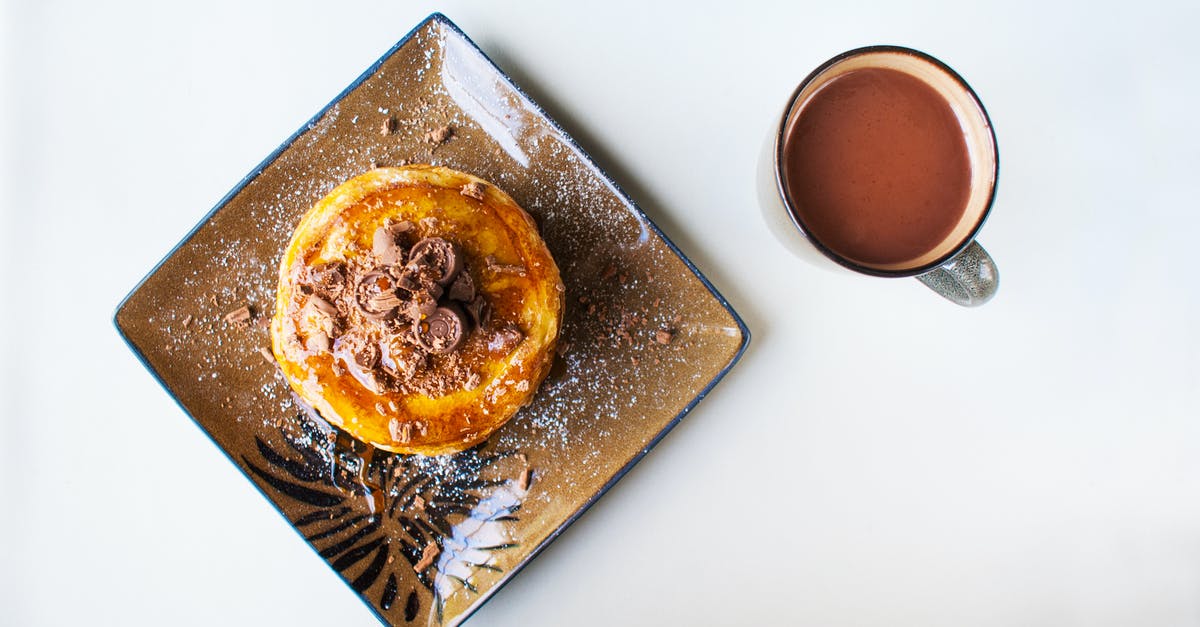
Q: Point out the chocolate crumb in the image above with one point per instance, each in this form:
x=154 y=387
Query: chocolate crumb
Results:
x=439 y=135
x=418 y=503
x=427 y=556
x=609 y=273
x=664 y=336
x=633 y=360
x=504 y=268
x=187 y=320
x=525 y=480
x=239 y=316
x=388 y=126
x=474 y=189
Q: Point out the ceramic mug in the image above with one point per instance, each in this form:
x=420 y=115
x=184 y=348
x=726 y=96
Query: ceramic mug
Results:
x=956 y=267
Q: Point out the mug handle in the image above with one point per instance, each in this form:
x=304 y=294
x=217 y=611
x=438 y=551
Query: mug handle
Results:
x=969 y=278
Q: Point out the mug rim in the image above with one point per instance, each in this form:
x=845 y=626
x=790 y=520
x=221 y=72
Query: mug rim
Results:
x=788 y=204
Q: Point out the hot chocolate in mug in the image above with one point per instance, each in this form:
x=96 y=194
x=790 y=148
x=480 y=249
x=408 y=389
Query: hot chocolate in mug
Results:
x=884 y=162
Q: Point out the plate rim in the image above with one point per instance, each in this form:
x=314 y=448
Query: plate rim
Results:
x=445 y=22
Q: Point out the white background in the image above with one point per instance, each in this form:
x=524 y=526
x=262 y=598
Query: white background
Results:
x=879 y=457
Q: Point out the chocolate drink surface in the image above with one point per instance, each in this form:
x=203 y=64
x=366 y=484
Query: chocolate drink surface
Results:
x=876 y=166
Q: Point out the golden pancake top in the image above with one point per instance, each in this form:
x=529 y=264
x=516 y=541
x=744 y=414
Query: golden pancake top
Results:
x=418 y=309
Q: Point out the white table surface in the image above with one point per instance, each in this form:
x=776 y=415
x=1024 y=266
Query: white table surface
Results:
x=879 y=457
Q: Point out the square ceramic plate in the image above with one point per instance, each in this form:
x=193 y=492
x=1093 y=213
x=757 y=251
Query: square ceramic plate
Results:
x=430 y=539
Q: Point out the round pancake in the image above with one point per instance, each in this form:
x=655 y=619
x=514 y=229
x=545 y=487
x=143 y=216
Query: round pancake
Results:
x=376 y=375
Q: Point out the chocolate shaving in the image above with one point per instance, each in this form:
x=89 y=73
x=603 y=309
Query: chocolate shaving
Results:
x=463 y=288
x=385 y=247
x=317 y=315
x=427 y=556
x=388 y=126
x=664 y=336
x=266 y=354
x=360 y=358
x=525 y=479
x=322 y=305
x=504 y=268
x=474 y=189
x=367 y=356
x=399 y=358
x=329 y=277
x=239 y=316
x=187 y=320
x=406 y=279
x=384 y=301
x=439 y=135
x=423 y=303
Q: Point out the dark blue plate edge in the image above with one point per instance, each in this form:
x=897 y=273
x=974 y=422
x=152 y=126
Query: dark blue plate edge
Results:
x=254 y=173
